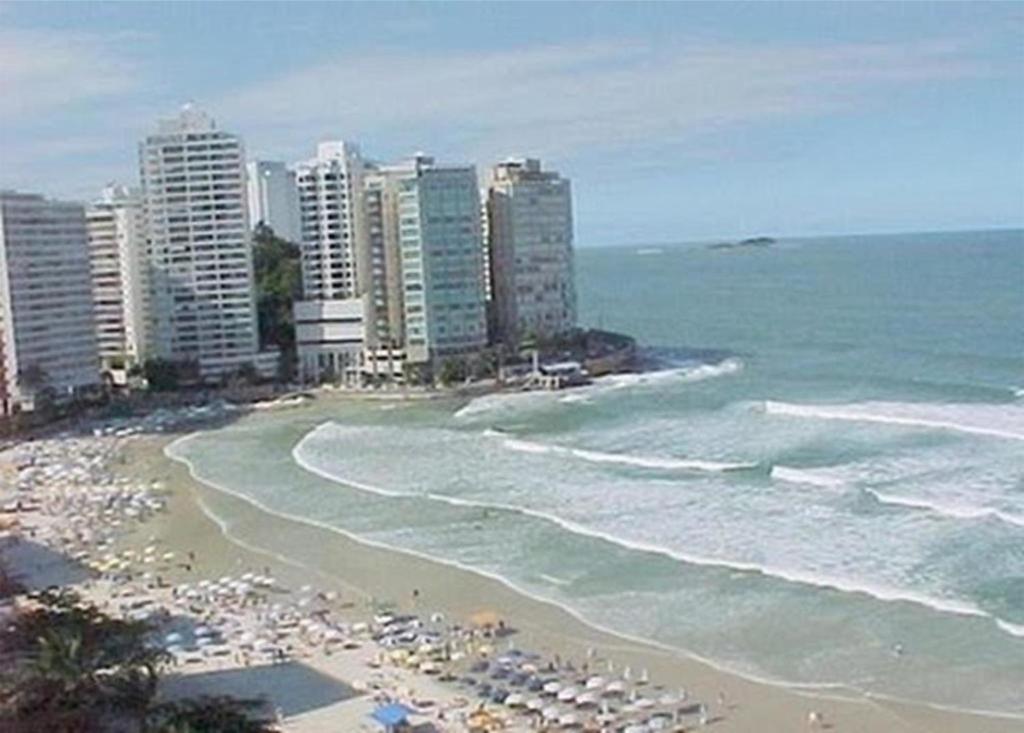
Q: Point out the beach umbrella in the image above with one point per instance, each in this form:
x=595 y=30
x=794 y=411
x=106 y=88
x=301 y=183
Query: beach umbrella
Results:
x=515 y=700
x=568 y=720
x=637 y=728
x=552 y=688
x=596 y=683
x=203 y=631
x=615 y=687
x=534 y=704
x=644 y=703
x=551 y=712
x=587 y=698
x=173 y=638
x=567 y=694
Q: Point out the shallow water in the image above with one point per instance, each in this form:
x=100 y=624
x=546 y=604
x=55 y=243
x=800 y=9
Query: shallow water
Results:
x=829 y=463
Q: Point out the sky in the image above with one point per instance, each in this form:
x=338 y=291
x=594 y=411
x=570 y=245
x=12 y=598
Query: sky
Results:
x=675 y=121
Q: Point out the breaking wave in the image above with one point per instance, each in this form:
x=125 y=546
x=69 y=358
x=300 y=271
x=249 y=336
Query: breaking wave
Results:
x=996 y=421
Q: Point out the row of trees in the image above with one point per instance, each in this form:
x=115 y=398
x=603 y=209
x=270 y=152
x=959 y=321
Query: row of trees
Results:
x=66 y=667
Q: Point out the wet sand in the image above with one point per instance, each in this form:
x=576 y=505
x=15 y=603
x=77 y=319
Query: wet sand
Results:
x=370 y=578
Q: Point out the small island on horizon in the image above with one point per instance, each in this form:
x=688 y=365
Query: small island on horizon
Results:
x=744 y=243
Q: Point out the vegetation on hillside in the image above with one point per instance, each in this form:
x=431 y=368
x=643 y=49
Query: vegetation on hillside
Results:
x=278 y=272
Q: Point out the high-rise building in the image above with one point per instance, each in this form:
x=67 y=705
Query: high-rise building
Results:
x=441 y=258
x=274 y=198
x=531 y=251
x=330 y=319
x=199 y=244
x=120 y=276
x=380 y=254
x=48 y=340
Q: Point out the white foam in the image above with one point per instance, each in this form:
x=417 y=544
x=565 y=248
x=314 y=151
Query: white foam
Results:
x=684 y=374
x=808 y=476
x=946 y=509
x=525 y=446
x=553 y=580
x=996 y=421
x=504 y=401
x=592 y=456
x=1014 y=629
x=832 y=582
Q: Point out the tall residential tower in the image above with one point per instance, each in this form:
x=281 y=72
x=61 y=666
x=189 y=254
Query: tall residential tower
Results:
x=531 y=251
x=120 y=276
x=329 y=320
x=442 y=261
x=48 y=337
x=199 y=241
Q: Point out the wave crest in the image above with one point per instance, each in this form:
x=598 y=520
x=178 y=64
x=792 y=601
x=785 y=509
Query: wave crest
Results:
x=612 y=383
x=996 y=421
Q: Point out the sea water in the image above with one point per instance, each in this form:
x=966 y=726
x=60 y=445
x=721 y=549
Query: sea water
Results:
x=820 y=482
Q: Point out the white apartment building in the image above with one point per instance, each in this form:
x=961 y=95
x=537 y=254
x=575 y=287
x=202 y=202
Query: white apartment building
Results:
x=48 y=338
x=199 y=244
x=330 y=208
x=120 y=276
x=273 y=198
x=329 y=338
x=442 y=261
x=531 y=251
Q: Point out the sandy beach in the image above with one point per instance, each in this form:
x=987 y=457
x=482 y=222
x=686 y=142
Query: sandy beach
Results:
x=317 y=690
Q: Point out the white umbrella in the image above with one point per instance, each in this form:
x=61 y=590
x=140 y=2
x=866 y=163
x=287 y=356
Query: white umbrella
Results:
x=515 y=700
x=568 y=720
x=552 y=688
x=550 y=713
x=534 y=704
x=587 y=698
x=596 y=683
x=615 y=687
x=173 y=638
x=567 y=694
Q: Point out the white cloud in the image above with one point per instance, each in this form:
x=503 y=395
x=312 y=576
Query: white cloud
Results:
x=559 y=100
x=45 y=70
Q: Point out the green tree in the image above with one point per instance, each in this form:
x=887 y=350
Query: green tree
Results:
x=69 y=668
x=452 y=370
x=278 y=270
x=74 y=667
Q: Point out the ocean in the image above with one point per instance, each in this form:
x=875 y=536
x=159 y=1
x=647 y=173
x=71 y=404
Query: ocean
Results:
x=820 y=484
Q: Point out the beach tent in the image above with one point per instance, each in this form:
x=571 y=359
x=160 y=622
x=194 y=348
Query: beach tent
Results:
x=391 y=716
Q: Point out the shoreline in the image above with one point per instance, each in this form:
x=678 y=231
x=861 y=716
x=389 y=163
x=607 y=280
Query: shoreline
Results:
x=555 y=627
